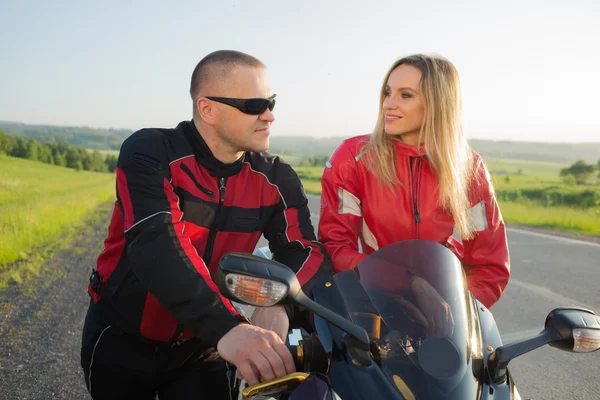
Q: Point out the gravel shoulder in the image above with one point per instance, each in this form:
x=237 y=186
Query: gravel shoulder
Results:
x=41 y=322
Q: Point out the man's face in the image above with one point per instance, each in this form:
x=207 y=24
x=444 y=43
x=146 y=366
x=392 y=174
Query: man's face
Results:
x=240 y=131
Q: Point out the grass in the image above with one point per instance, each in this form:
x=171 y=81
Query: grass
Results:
x=40 y=207
x=529 y=170
x=521 y=175
x=311 y=178
x=566 y=219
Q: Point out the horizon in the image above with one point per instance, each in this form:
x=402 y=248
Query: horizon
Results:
x=303 y=136
x=528 y=71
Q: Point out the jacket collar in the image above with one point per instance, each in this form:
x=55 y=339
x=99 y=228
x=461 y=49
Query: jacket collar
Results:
x=203 y=154
x=408 y=150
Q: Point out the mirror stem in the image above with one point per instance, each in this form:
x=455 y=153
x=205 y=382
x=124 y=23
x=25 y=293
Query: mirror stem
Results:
x=499 y=359
x=362 y=338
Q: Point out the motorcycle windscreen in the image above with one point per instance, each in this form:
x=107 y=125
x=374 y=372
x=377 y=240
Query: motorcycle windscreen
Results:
x=411 y=298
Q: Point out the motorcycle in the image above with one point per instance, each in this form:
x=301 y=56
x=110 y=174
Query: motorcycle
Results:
x=402 y=325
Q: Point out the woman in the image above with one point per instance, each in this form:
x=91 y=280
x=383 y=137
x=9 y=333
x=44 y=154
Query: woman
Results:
x=416 y=177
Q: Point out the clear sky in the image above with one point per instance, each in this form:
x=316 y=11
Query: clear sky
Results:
x=530 y=69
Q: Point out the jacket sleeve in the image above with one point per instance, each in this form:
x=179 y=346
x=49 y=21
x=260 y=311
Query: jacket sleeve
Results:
x=160 y=254
x=341 y=213
x=486 y=257
x=290 y=232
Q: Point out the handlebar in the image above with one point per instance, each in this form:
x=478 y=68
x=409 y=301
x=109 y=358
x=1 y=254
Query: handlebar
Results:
x=309 y=355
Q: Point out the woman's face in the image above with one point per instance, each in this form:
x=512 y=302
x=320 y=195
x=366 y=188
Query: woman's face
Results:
x=403 y=105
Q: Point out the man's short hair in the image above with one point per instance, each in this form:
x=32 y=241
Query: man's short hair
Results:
x=217 y=65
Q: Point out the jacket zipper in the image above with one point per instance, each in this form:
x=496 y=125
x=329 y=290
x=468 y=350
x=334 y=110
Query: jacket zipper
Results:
x=209 y=246
x=213 y=230
x=414 y=186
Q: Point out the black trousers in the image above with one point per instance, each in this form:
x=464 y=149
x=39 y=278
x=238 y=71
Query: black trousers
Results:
x=119 y=366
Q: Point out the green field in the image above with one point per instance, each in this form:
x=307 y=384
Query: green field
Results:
x=530 y=193
x=107 y=152
x=40 y=205
x=532 y=171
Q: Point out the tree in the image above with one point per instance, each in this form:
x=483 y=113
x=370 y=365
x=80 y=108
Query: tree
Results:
x=4 y=143
x=111 y=162
x=33 y=150
x=87 y=161
x=580 y=171
x=60 y=153
x=569 y=180
x=19 y=149
x=72 y=158
x=60 y=160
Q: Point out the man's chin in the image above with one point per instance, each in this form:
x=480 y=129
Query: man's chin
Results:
x=260 y=146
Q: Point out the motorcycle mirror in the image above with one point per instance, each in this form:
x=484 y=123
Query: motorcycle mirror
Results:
x=566 y=328
x=261 y=282
x=578 y=329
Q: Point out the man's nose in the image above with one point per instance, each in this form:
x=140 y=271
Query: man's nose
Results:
x=267 y=116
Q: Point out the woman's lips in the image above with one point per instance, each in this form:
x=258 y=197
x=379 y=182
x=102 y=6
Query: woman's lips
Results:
x=392 y=118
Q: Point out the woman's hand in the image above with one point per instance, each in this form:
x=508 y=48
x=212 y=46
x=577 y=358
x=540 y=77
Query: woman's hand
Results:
x=433 y=309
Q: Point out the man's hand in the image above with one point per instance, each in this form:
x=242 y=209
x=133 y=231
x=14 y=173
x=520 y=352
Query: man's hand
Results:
x=257 y=353
x=272 y=318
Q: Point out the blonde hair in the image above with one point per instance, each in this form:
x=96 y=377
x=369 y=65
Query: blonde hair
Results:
x=448 y=151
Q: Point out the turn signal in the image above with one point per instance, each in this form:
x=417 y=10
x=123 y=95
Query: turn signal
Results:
x=586 y=340
x=256 y=291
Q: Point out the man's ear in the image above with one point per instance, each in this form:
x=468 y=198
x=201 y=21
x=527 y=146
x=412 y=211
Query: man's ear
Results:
x=206 y=110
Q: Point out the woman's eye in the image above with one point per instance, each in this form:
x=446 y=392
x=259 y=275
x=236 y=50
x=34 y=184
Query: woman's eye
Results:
x=406 y=95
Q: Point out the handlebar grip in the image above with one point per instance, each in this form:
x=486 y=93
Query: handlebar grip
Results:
x=298 y=356
x=309 y=355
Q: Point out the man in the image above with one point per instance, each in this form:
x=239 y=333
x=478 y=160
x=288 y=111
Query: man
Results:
x=185 y=197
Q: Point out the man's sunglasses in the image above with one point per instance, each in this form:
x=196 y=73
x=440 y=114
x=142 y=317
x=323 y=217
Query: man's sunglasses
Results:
x=247 y=106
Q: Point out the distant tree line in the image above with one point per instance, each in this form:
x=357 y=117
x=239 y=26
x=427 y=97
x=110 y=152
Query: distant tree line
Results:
x=314 y=161
x=580 y=172
x=60 y=154
x=89 y=138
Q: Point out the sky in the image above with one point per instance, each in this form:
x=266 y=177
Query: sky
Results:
x=530 y=69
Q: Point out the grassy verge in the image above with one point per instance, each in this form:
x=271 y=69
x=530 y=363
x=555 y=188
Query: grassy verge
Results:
x=40 y=207
x=311 y=178
x=566 y=219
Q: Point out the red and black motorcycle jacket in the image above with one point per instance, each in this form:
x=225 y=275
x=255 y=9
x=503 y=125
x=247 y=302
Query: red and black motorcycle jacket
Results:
x=354 y=206
x=178 y=211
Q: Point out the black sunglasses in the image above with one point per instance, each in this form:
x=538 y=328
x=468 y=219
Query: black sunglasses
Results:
x=247 y=106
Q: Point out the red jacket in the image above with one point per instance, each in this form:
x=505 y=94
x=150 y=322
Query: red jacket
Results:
x=178 y=211
x=354 y=206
